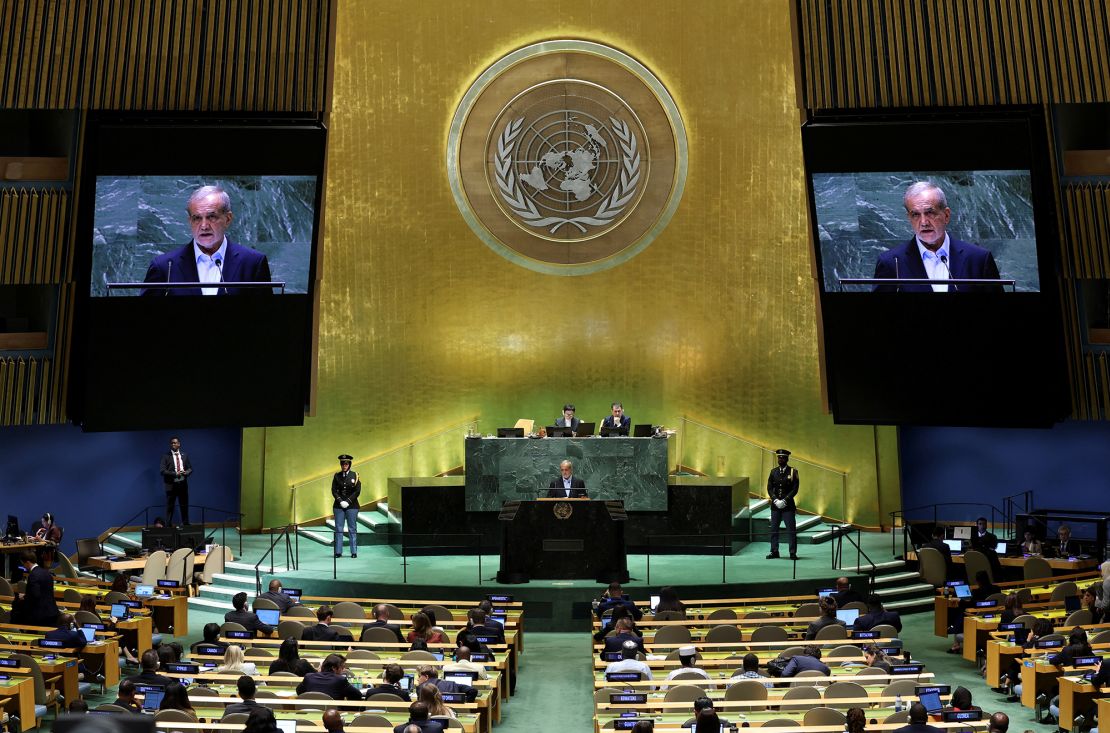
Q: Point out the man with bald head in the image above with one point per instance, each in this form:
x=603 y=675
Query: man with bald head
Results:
x=282 y=600
x=932 y=254
x=999 y=723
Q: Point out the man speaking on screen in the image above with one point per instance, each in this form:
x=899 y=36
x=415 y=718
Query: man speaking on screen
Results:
x=210 y=257
x=932 y=254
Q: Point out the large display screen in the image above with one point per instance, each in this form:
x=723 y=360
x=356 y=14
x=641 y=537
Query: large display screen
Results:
x=146 y=230
x=935 y=244
x=197 y=254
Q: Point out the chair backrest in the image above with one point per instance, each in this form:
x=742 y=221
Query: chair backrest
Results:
x=1053 y=637
x=316 y=695
x=792 y=651
x=177 y=569
x=687 y=674
x=845 y=651
x=111 y=708
x=1082 y=617
x=974 y=561
x=442 y=613
x=5 y=587
x=822 y=715
x=769 y=633
x=931 y=566
x=844 y=690
x=258 y=652
x=396 y=614
x=802 y=679
x=347 y=609
x=757 y=614
x=1025 y=595
x=684 y=693
x=115 y=596
x=1064 y=590
x=808 y=610
x=65 y=568
x=1102 y=637
x=302 y=612
x=344 y=633
x=286 y=629
x=802 y=692
x=362 y=654
x=832 y=631
x=723 y=633
x=155 y=568
x=387 y=696
x=856 y=606
x=902 y=717
x=85 y=617
x=1036 y=567
x=602 y=695
x=263 y=692
x=418 y=655
x=721 y=614
x=235 y=718
x=999 y=598
x=373 y=720
x=672 y=635
x=780 y=723
x=1026 y=618
x=70 y=595
x=265 y=603
x=901 y=687
x=174 y=716
x=746 y=690
x=869 y=671
x=227 y=626
x=668 y=616
x=886 y=631
x=25 y=660
x=214 y=563
x=447 y=721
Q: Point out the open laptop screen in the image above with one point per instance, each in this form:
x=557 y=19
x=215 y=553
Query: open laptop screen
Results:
x=847 y=615
x=269 y=616
x=955 y=545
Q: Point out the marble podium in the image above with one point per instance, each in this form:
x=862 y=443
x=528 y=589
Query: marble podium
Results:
x=563 y=539
x=631 y=470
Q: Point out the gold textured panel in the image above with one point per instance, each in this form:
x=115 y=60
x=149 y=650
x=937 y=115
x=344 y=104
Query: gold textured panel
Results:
x=32 y=235
x=422 y=326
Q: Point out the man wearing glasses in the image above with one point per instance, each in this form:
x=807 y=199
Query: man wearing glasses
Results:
x=210 y=258
x=932 y=254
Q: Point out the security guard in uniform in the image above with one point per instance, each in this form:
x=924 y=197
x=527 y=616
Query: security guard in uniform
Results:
x=782 y=486
x=345 y=488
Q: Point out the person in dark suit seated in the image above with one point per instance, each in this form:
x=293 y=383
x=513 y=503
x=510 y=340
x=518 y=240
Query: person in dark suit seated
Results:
x=418 y=716
x=67 y=633
x=983 y=539
x=37 y=606
x=210 y=637
x=249 y=619
x=828 y=617
x=622 y=633
x=247 y=690
x=330 y=680
x=281 y=600
x=938 y=544
x=1078 y=646
x=476 y=626
x=932 y=254
x=1065 y=546
x=125 y=697
x=845 y=594
x=613 y=597
x=429 y=675
x=391 y=676
x=381 y=620
x=322 y=631
x=566 y=486
x=148 y=663
x=617 y=419
x=919 y=721
x=568 y=420
x=210 y=258
x=876 y=615
x=809 y=659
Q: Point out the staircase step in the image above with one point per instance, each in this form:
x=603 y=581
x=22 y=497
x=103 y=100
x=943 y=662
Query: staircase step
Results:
x=211 y=603
x=879 y=566
x=125 y=540
x=910 y=605
x=112 y=550
x=896 y=577
x=219 y=591
x=905 y=590
x=315 y=536
x=829 y=533
x=242 y=581
x=242 y=566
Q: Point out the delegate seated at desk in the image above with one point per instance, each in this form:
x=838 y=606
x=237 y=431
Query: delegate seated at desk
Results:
x=566 y=486
x=617 y=421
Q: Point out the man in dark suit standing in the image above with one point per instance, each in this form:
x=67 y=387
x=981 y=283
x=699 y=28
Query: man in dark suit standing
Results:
x=175 y=469
x=210 y=257
x=782 y=487
x=566 y=486
x=617 y=420
x=37 y=607
x=932 y=254
x=568 y=420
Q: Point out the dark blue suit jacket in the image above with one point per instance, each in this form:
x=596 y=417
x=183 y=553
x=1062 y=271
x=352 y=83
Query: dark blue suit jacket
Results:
x=241 y=264
x=966 y=260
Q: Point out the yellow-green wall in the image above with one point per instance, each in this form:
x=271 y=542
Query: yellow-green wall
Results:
x=422 y=326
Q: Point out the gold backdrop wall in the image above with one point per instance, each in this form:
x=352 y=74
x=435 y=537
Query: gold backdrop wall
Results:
x=422 y=326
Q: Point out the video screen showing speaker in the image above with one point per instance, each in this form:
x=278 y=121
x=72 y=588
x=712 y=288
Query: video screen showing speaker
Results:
x=197 y=243
x=936 y=251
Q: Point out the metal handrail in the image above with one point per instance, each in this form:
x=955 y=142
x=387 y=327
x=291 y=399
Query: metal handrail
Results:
x=837 y=554
x=291 y=561
x=132 y=518
x=404 y=555
x=725 y=543
x=223 y=526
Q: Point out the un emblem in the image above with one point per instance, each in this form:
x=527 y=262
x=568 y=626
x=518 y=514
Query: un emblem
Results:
x=567 y=157
x=562 y=510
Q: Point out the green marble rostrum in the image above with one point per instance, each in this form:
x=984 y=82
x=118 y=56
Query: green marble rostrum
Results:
x=633 y=470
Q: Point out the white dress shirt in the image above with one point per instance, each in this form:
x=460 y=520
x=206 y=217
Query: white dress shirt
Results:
x=935 y=269
x=207 y=269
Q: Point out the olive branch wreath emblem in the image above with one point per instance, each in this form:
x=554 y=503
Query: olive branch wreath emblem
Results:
x=610 y=206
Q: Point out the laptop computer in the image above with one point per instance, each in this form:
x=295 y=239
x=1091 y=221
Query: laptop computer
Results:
x=825 y=592
x=1021 y=635
x=152 y=700
x=557 y=432
x=294 y=593
x=287 y=726
x=1002 y=548
x=144 y=591
x=962 y=591
x=585 y=429
x=119 y=611
x=653 y=601
x=269 y=616
x=461 y=677
x=90 y=634
x=406 y=682
x=931 y=701
x=643 y=431
x=847 y=615
x=607 y=431
x=510 y=432
x=955 y=546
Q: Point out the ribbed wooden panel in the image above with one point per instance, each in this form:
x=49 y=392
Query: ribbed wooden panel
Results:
x=265 y=55
x=892 y=53
x=21 y=391
x=1086 y=214
x=32 y=236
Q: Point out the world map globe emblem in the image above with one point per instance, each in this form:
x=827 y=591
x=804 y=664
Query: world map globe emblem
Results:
x=572 y=171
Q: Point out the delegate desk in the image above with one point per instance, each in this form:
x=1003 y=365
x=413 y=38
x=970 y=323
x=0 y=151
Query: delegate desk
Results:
x=632 y=470
x=1077 y=697
x=17 y=694
x=563 y=538
x=1064 y=564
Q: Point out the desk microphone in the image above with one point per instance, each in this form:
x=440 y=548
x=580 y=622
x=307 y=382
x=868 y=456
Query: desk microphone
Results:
x=169 y=273
x=897 y=276
x=220 y=267
x=944 y=259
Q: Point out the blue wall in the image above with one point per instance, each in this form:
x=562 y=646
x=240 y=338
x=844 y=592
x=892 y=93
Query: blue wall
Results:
x=93 y=481
x=1067 y=466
